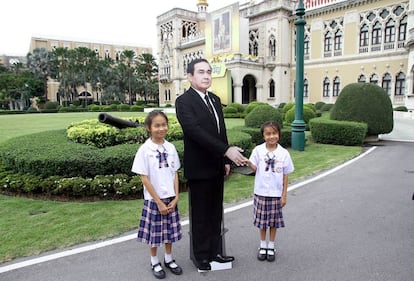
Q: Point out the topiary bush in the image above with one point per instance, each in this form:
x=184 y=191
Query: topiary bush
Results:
x=261 y=114
x=319 y=105
x=308 y=114
x=253 y=105
x=401 y=108
x=365 y=102
x=338 y=132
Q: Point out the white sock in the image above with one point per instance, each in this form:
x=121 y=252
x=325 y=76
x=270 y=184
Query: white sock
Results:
x=263 y=244
x=271 y=245
x=168 y=258
x=154 y=260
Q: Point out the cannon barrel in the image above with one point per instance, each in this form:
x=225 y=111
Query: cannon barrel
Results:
x=117 y=122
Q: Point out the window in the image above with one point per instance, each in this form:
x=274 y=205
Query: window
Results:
x=362 y=78
x=327 y=47
x=364 y=36
x=338 y=40
x=402 y=29
x=386 y=83
x=272 y=46
x=305 y=88
x=389 y=31
x=400 y=84
x=306 y=45
x=336 y=85
x=254 y=42
x=271 y=89
x=373 y=79
x=326 y=87
x=376 y=34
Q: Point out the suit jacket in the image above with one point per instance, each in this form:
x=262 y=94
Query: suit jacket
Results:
x=204 y=146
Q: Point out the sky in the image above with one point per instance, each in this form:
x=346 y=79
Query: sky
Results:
x=123 y=22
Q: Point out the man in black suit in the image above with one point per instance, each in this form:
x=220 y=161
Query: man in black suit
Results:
x=207 y=157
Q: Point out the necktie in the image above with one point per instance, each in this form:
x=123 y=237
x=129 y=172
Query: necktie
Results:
x=210 y=107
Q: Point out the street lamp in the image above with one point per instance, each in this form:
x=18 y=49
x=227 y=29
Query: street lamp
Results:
x=298 y=125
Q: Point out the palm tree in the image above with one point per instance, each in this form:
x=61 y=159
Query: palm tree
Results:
x=148 y=72
x=128 y=58
x=38 y=63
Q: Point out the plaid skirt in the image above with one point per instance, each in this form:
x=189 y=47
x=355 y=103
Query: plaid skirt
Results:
x=156 y=229
x=267 y=212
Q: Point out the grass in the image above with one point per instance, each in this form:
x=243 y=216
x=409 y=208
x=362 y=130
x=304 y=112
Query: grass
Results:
x=29 y=227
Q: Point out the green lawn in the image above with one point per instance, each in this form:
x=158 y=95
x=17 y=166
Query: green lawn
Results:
x=29 y=227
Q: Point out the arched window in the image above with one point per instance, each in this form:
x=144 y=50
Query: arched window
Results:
x=389 y=31
x=326 y=87
x=400 y=84
x=362 y=78
x=376 y=34
x=336 y=86
x=271 y=88
x=338 y=40
x=306 y=45
x=253 y=42
x=402 y=30
x=272 y=46
x=364 y=36
x=327 y=46
x=373 y=79
x=386 y=83
x=305 y=88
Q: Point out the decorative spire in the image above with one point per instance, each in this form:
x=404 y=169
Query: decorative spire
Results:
x=202 y=6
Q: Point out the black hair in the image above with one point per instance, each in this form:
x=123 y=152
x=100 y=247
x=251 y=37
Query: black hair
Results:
x=190 y=67
x=151 y=115
x=272 y=124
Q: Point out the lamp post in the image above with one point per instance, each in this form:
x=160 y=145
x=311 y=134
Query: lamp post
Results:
x=298 y=125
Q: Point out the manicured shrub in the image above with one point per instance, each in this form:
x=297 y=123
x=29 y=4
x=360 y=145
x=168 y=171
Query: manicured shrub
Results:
x=253 y=105
x=327 y=107
x=239 y=107
x=261 y=114
x=401 y=108
x=338 y=132
x=319 y=105
x=308 y=114
x=365 y=102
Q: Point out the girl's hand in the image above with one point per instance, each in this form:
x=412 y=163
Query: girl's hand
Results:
x=172 y=204
x=283 y=201
x=162 y=208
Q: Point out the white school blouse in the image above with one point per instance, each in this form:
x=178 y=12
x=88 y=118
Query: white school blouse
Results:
x=146 y=162
x=270 y=183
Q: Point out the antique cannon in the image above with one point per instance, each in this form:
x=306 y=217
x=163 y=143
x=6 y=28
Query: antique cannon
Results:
x=117 y=122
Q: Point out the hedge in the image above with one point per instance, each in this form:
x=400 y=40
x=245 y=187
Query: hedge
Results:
x=338 y=132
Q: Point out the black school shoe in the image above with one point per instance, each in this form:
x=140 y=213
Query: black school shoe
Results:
x=271 y=254
x=158 y=274
x=176 y=270
x=262 y=254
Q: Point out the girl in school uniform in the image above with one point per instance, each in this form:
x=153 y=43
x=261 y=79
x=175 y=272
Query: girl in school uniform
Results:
x=157 y=162
x=272 y=164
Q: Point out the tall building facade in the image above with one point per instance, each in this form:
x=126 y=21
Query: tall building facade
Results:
x=252 y=49
x=103 y=50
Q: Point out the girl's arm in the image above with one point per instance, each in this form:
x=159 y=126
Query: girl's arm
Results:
x=284 y=192
x=251 y=166
x=161 y=206
x=174 y=202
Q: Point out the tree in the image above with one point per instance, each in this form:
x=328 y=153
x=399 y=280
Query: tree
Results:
x=38 y=63
x=147 y=73
x=128 y=58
